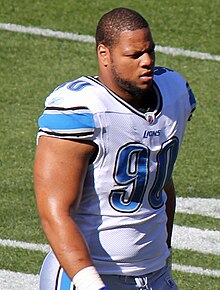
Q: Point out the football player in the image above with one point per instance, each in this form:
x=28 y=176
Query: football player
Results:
x=106 y=150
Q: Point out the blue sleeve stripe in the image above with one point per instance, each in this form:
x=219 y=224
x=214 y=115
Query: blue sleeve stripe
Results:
x=70 y=121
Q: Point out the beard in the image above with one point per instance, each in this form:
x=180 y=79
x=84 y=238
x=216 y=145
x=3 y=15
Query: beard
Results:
x=128 y=86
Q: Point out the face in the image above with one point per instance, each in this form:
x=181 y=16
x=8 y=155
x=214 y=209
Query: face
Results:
x=131 y=62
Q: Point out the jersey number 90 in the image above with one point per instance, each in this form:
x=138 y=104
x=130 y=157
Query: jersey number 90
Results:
x=132 y=171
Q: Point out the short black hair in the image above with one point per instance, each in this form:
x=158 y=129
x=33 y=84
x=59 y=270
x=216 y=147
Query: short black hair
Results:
x=116 y=21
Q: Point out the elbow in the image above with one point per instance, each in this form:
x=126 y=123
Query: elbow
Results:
x=48 y=222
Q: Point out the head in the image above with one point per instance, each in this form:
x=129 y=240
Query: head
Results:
x=125 y=50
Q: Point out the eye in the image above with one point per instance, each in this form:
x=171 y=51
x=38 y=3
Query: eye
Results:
x=137 y=55
x=152 y=50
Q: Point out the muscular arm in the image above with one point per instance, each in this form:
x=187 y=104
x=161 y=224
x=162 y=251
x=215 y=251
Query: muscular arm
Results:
x=170 y=208
x=59 y=172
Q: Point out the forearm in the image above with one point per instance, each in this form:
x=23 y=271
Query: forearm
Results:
x=170 y=209
x=67 y=243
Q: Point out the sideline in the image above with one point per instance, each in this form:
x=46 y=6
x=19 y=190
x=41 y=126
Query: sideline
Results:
x=87 y=38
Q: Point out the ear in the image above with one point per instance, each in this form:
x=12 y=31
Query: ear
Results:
x=103 y=54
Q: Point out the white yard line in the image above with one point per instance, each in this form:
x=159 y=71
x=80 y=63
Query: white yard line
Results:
x=46 y=32
x=24 y=245
x=90 y=39
x=18 y=281
x=13 y=280
x=196 y=270
x=203 y=206
x=193 y=54
x=203 y=241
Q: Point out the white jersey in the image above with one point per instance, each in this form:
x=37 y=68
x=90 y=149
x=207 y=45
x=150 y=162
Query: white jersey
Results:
x=122 y=209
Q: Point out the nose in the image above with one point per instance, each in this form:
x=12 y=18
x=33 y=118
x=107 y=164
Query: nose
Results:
x=147 y=59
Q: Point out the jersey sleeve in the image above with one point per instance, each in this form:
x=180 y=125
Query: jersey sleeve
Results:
x=67 y=117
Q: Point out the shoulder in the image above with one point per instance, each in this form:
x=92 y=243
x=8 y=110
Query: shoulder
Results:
x=174 y=87
x=84 y=91
x=67 y=113
x=68 y=94
x=165 y=75
x=71 y=110
x=170 y=83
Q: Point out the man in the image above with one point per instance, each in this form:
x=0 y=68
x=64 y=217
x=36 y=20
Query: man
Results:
x=103 y=169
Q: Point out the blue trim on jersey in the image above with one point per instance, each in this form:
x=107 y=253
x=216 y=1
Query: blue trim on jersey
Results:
x=192 y=99
x=66 y=121
x=65 y=282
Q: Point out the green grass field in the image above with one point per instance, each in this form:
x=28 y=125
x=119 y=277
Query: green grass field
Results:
x=32 y=65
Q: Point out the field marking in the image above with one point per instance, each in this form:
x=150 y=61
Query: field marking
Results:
x=14 y=280
x=87 y=38
x=24 y=245
x=196 y=270
x=203 y=241
x=29 y=281
x=203 y=206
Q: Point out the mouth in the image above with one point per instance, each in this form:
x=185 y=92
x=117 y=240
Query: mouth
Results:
x=147 y=76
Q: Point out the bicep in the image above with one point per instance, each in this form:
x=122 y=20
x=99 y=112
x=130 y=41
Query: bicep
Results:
x=59 y=172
